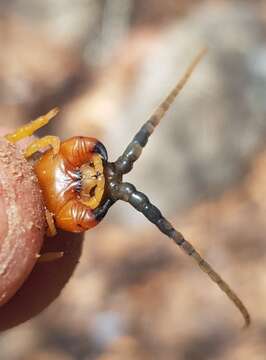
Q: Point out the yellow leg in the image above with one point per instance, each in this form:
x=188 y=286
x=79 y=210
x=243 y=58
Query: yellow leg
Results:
x=31 y=127
x=51 y=231
x=50 y=256
x=42 y=143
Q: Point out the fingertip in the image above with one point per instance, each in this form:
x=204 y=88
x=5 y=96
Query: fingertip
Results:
x=22 y=221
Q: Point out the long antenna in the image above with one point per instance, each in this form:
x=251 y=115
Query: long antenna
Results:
x=125 y=162
x=127 y=192
x=168 y=101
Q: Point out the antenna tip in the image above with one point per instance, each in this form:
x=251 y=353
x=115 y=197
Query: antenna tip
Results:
x=247 y=322
x=201 y=54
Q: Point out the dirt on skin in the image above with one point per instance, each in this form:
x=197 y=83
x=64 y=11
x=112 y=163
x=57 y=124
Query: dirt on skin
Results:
x=21 y=219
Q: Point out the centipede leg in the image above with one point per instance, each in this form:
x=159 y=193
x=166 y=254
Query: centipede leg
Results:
x=50 y=256
x=51 y=230
x=42 y=143
x=31 y=127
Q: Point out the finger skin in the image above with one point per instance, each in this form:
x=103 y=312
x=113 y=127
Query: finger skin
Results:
x=22 y=222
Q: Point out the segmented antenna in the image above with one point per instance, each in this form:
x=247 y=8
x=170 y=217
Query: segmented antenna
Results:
x=125 y=162
x=127 y=192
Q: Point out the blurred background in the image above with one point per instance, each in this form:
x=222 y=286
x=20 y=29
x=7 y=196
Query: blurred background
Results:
x=107 y=65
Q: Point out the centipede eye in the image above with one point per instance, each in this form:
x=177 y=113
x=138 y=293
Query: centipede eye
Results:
x=100 y=149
